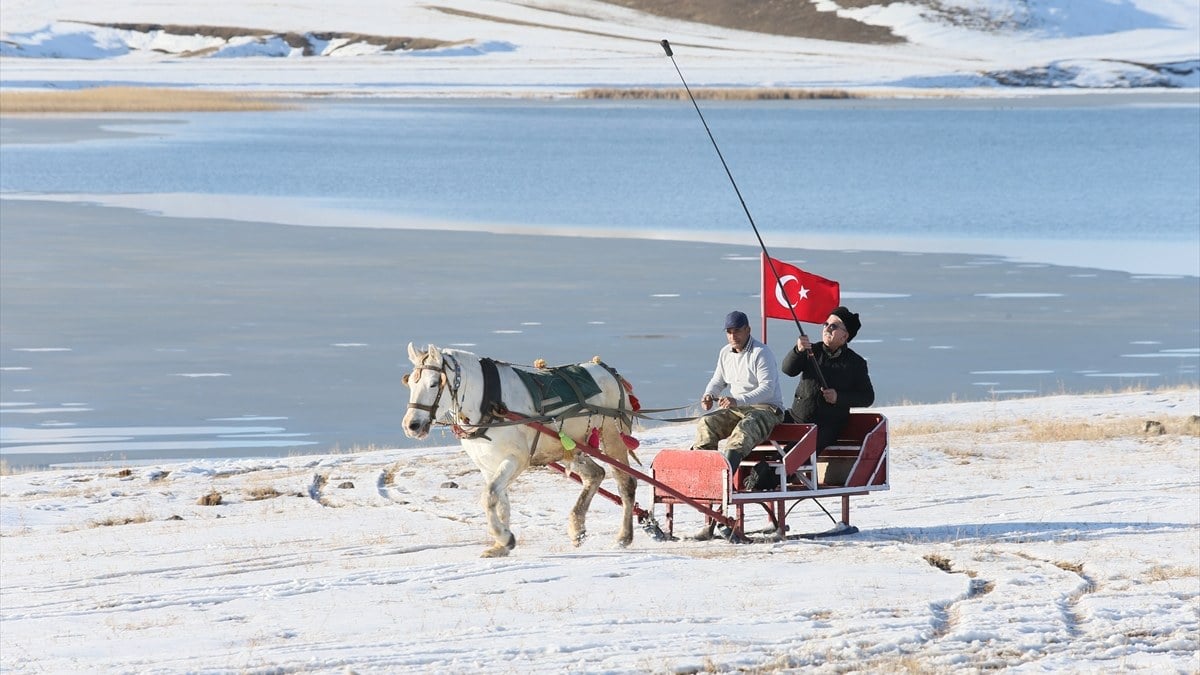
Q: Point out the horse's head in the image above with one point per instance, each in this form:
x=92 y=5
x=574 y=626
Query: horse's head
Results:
x=426 y=384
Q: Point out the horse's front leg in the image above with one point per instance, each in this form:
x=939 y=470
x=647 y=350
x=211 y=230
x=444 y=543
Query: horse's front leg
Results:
x=591 y=474
x=496 y=506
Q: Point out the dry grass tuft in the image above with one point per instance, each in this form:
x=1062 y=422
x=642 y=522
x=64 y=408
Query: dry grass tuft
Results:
x=389 y=475
x=1153 y=428
x=131 y=100
x=261 y=493
x=758 y=94
x=1103 y=430
x=908 y=664
x=980 y=586
x=8 y=469
x=939 y=561
x=211 y=499
x=119 y=520
x=1165 y=572
x=1077 y=568
x=960 y=454
x=1057 y=430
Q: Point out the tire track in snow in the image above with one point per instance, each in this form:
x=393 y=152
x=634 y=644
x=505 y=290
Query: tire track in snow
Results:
x=1008 y=588
x=1069 y=603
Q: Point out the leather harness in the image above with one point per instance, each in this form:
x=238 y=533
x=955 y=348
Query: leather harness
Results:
x=494 y=413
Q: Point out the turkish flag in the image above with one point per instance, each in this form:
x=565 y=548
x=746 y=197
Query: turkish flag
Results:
x=812 y=297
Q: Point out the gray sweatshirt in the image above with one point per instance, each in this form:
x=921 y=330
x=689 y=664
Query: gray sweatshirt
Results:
x=751 y=375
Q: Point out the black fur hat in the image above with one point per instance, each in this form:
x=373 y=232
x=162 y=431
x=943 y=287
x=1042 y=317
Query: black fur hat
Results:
x=850 y=319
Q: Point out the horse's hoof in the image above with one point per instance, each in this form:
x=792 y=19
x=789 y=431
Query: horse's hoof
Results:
x=495 y=552
x=512 y=541
x=577 y=540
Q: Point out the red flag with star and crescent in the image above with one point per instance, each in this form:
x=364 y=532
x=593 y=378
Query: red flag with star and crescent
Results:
x=811 y=296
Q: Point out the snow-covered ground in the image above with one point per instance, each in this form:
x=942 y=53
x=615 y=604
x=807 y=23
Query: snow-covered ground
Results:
x=552 y=47
x=993 y=549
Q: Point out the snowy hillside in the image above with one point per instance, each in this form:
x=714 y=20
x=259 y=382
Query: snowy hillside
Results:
x=559 y=46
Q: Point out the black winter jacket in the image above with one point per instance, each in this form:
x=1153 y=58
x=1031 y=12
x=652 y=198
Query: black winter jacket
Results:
x=845 y=371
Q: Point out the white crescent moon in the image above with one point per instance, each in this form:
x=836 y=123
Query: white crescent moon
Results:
x=779 y=289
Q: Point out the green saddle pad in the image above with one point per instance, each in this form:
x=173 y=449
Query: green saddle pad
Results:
x=558 y=387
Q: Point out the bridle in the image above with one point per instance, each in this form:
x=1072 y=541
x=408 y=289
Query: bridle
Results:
x=444 y=385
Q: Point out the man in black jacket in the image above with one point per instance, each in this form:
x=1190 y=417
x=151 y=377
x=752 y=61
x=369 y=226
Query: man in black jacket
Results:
x=848 y=385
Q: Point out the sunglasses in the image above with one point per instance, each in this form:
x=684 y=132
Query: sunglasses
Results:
x=834 y=326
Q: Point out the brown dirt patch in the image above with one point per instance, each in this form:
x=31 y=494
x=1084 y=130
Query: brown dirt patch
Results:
x=793 y=18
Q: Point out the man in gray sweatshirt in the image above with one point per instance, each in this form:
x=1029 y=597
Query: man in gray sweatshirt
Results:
x=745 y=388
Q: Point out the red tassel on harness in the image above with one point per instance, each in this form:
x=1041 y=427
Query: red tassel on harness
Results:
x=633 y=403
x=630 y=442
x=593 y=439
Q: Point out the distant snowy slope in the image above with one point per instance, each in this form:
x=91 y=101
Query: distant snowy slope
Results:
x=562 y=45
x=1044 y=19
x=1101 y=43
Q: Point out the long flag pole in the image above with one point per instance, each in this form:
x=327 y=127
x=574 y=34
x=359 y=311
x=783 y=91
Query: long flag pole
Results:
x=770 y=262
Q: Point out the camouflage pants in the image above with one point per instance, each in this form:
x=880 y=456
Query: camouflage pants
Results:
x=744 y=426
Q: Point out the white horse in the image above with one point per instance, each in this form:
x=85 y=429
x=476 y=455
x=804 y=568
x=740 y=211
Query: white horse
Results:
x=473 y=394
